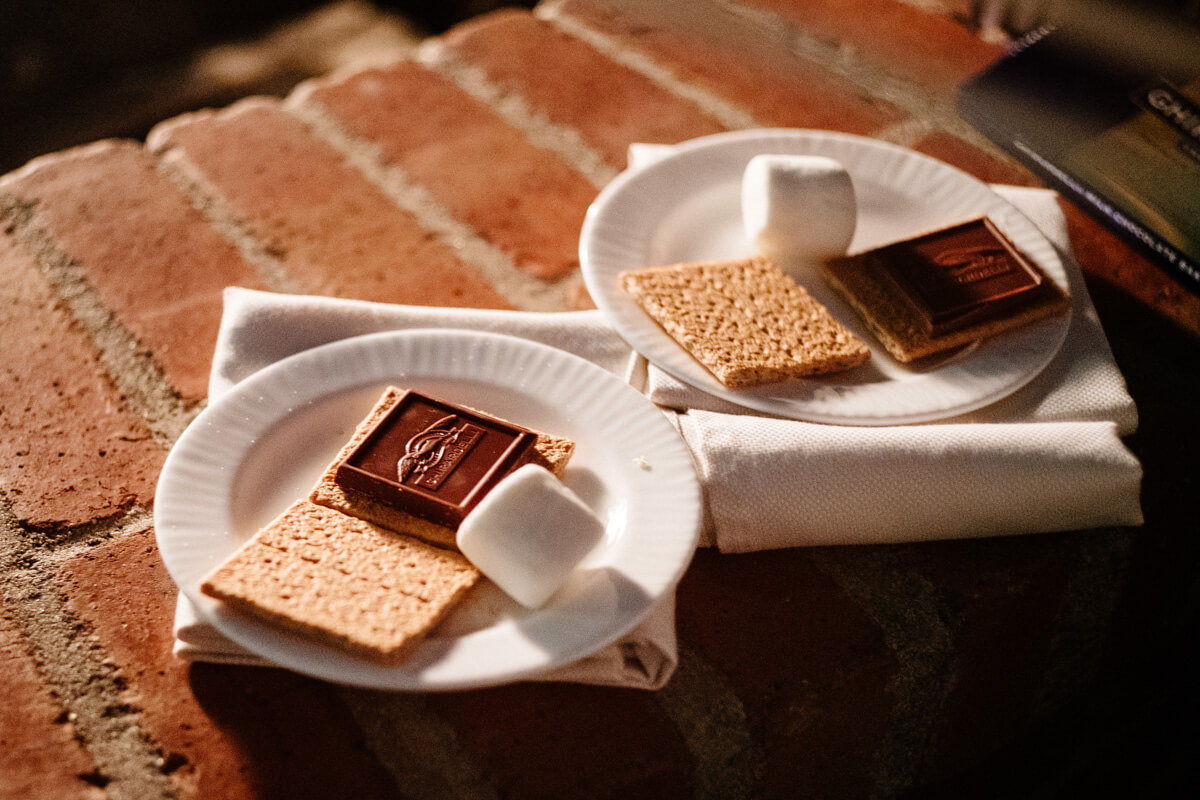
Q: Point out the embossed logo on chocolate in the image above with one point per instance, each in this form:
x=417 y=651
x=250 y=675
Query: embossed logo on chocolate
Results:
x=958 y=276
x=433 y=459
x=974 y=264
x=433 y=453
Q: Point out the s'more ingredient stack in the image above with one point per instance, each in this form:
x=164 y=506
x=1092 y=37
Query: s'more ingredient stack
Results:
x=368 y=562
x=944 y=288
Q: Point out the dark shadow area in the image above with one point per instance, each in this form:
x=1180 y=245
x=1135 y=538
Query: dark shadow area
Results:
x=74 y=71
x=280 y=734
x=1131 y=732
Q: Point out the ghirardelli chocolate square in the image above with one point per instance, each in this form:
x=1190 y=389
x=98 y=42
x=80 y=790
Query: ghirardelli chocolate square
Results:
x=433 y=459
x=959 y=275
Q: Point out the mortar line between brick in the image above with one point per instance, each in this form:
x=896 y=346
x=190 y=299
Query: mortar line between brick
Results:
x=522 y=291
x=538 y=129
x=132 y=370
x=722 y=110
x=905 y=607
x=711 y=720
x=1083 y=618
x=905 y=133
x=938 y=7
x=419 y=748
x=78 y=538
x=73 y=665
x=927 y=106
x=206 y=200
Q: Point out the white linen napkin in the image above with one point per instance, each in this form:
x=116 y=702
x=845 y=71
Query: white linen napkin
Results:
x=1048 y=458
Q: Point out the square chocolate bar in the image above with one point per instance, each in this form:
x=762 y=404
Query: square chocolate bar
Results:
x=943 y=289
x=432 y=459
x=959 y=275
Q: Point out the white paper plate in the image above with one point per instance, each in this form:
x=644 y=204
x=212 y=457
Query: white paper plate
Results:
x=687 y=207
x=263 y=444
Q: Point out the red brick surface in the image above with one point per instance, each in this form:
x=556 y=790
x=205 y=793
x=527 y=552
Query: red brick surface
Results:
x=335 y=232
x=150 y=255
x=1102 y=255
x=227 y=732
x=39 y=755
x=71 y=453
x=904 y=38
x=969 y=158
x=888 y=671
x=759 y=74
x=575 y=86
x=581 y=741
x=525 y=200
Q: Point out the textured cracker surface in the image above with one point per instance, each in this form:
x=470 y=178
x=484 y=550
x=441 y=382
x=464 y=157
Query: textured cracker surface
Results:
x=745 y=320
x=861 y=282
x=343 y=581
x=551 y=452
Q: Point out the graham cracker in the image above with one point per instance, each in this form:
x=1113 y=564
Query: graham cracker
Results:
x=551 y=452
x=745 y=320
x=343 y=581
x=861 y=281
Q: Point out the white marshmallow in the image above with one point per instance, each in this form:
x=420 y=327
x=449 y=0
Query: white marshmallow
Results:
x=798 y=208
x=528 y=533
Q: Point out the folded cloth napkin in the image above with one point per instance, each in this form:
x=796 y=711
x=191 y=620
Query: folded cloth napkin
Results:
x=1047 y=458
x=645 y=658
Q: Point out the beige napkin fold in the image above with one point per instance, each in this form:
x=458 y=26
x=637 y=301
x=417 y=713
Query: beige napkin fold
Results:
x=1048 y=458
x=645 y=658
